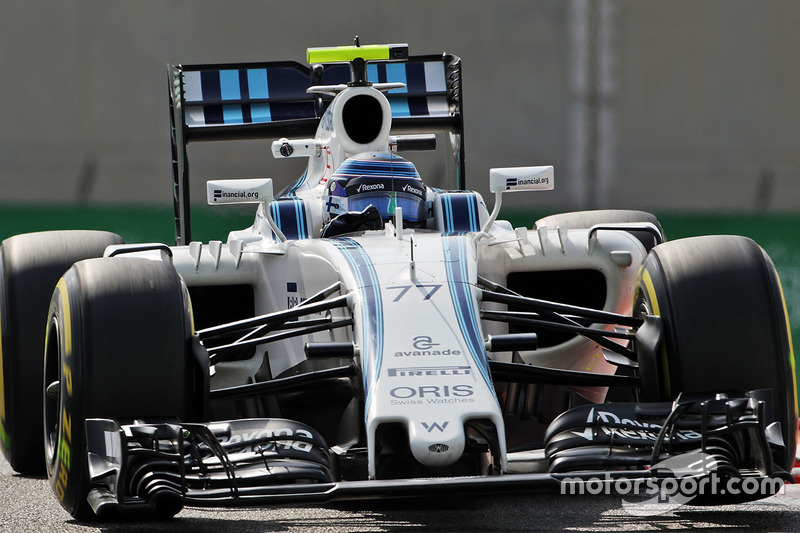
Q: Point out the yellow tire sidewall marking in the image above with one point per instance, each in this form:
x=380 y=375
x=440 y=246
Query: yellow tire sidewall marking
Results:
x=64 y=448
x=791 y=345
x=650 y=292
x=62 y=290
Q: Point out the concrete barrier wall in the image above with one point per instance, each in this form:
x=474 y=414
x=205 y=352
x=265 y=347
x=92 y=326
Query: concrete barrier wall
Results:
x=657 y=105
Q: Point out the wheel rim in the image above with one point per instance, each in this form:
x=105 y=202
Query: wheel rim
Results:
x=52 y=402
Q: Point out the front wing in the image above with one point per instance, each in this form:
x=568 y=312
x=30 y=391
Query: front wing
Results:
x=256 y=462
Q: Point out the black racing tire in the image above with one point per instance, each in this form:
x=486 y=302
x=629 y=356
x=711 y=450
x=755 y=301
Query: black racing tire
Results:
x=118 y=345
x=587 y=219
x=725 y=325
x=30 y=266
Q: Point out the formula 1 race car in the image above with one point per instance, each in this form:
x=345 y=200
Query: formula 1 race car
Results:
x=376 y=333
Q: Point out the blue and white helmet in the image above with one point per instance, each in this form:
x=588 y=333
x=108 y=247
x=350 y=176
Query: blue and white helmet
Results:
x=380 y=179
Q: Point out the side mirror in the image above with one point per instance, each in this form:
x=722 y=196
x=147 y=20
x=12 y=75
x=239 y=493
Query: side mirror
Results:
x=244 y=191
x=521 y=179
x=502 y=180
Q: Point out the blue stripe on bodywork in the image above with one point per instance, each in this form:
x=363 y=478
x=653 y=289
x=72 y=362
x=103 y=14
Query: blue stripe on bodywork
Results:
x=275 y=213
x=472 y=204
x=456 y=264
x=289 y=215
x=371 y=312
x=399 y=107
x=460 y=213
x=300 y=215
x=396 y=72
x=229 y=85
x=290 y=191
x=260 y=113
x=372 y=73
x=258 y=83
x=232 y=114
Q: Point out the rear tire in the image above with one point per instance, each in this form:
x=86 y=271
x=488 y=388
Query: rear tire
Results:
x=30 y=266
x=118 y=346
x=725 y=325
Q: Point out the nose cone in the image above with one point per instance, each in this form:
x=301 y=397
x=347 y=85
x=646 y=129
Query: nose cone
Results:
x=436 y=443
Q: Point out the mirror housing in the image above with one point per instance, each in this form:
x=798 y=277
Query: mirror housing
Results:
x=244 y=191
x=514 y=179
x=521 y=179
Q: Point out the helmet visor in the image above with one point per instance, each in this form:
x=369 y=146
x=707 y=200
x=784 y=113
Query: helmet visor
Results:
x=386 y=201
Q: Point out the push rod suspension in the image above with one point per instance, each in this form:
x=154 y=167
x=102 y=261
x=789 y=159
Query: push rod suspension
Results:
x=544 y=305
x=217 y=353
x=279 y=317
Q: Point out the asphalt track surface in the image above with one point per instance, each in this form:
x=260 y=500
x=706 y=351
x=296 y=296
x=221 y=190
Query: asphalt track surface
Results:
x=27 y=505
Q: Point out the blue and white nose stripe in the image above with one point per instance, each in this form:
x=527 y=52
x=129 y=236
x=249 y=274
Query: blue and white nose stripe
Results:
x=371 y=312
x=458 y=281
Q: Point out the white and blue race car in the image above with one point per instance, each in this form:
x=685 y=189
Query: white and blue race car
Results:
x=377 y=333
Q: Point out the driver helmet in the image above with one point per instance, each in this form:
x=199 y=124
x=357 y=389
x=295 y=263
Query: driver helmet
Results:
x=381 y=179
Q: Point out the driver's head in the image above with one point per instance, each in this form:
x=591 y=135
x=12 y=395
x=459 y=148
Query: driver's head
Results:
x=381 y=179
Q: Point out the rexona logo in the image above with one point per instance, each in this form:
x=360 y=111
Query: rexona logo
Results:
x=219 y=194
x=413 y=190
x=370 y=187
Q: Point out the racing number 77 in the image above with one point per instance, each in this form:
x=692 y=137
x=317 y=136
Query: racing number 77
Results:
x=431 y=290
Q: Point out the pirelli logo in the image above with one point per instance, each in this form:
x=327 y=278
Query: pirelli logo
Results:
x=429 y=371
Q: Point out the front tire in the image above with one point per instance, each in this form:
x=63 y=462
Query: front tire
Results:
x=118 y=346
x=725 y=325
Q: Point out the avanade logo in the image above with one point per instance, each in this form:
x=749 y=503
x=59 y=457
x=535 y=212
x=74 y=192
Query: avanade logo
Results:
x=424 y=346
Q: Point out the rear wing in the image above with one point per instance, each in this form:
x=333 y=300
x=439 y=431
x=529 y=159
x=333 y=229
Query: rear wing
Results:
x=270 y=100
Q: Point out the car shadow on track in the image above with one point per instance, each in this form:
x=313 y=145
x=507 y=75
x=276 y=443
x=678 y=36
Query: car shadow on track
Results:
x=491 y=513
